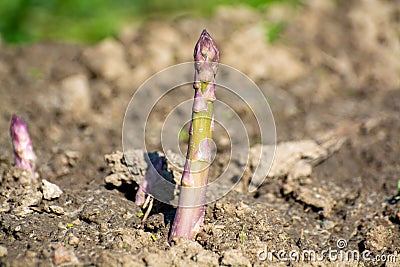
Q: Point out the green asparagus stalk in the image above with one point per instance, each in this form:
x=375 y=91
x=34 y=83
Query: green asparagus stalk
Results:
x=189 y=219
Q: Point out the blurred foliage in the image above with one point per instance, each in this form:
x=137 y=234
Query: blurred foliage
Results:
x=24 y=21
x=274 y=31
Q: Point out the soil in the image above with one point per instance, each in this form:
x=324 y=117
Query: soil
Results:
x=334 y=71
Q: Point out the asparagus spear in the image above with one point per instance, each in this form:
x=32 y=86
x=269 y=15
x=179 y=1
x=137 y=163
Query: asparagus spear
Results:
x=23 y=152
x=188 y=219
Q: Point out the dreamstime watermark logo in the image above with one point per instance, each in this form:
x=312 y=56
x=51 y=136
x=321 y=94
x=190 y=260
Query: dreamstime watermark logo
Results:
x=338 y=254
x=161 y=108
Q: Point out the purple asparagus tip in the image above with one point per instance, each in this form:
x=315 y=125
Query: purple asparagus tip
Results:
x=23 y=152
x=206 y=56
x=205 y=49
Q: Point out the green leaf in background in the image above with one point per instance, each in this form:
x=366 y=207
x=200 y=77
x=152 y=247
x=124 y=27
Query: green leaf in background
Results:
x=274 y=31
x=89 y=21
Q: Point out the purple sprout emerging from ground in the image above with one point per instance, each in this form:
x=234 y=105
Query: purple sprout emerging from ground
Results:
x=24 y=156
x=150 y=178
x=157 y=168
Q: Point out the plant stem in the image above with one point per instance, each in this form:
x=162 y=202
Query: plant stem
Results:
x=189 y=218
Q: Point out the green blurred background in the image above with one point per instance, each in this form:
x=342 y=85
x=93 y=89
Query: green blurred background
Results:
x=88 y=21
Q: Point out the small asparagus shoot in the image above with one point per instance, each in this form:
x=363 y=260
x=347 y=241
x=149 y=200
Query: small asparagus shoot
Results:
x=143 y=197
x=151 y=174
x=24 y=156
x=189 y=219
